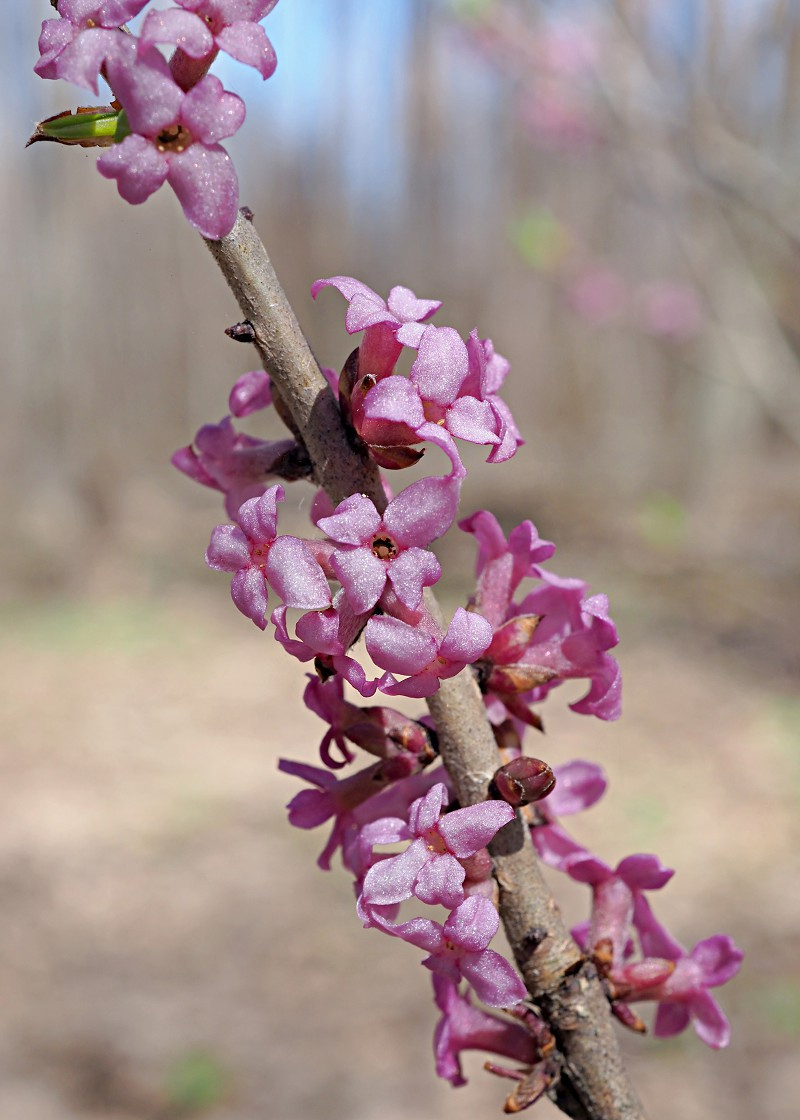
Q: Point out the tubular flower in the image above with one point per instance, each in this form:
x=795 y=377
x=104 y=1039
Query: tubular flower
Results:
x=388 y=325
x=256 y=555
x=174 y=138
x=372 y=550
x=202 y=27
x=431 y=867
x=77 y=45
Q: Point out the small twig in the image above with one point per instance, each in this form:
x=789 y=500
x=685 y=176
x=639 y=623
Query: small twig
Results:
x=565 y=987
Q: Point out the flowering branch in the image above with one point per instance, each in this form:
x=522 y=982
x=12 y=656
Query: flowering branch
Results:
x=371 y=574
x=593 y=1084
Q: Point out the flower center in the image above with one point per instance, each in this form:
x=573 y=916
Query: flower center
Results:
x=174 y=138
x=384 y=548
x=259 y=554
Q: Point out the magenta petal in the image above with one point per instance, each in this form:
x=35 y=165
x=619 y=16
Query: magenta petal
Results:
x=466 y=831
x=493 y=979
x=473 y=925
x=440 y=880
x=320 y=631
x=671 y=1019
x=136 y=165
x=710 y=1023
x=251 y=392
x=472 y=420
x=392 y=880
x=249 y=593
x=204 y=179
x=424 y=813
x=423 y=511
x=228 y=550
x=468 y=636
x=210 y=112
x=422 y=932
x=354 y=521
x=180 y=28
x=405 y=306
x=362 y=575
x=394 y=399
x=55 y=35
x=144 y=85
x=410 y=572
x=248 y=43
x=344 y=284
x=510 y=439
x=441 y=365
x=579 y=785
x=395 y=646
x=718 y=958
x=259 y=516
x=80 y=62
x=644 y=872
x=296 y=576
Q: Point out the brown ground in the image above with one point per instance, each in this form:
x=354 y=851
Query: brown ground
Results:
x=168 y=948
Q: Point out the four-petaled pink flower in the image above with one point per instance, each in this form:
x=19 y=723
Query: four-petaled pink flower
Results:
x=174 y=138
x=466 y=1027
x=422 y=652
x=202 y=27
x=430 y=867
x=239 y=465
x=388 y=325
x=75 y=46
x=372 y=549
x=254 y=552
x=459 y=950
x=683 y=997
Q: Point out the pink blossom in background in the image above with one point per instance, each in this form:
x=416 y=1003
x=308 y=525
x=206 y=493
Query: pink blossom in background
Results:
x=598 y=294
x=672 y=312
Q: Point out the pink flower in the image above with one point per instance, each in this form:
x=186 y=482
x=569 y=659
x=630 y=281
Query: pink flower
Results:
x=174 y=139
x=202 y=27
x=466 y=1027
x=555 y=633
x=373 y=549
x=459 y=950
x=75 y=46
x=239 y=465
x=256 y=555
x=379 y=730
x=683 y=997
x=324 y=637
x=422 y=652
x=388 y=325
x=430 y=867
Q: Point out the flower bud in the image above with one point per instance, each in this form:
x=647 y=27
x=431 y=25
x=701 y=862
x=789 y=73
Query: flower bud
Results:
x=523 y=780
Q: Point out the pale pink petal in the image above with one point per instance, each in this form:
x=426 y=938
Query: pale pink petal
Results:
x=180 y=28
x=136 y=165
x=423 y=511
x=249 y=593
x=248 y=43
x=397 y=647
x=296 y=576
x=204 y=179
x=210 y=113
x=362 y=575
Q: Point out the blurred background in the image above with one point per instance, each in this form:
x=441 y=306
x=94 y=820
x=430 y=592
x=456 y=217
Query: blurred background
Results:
x=607 y=189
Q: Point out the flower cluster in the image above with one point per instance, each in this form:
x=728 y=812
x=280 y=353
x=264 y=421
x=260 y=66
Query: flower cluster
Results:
x=524 y=631
x=171 y=114
x=622 y=918
x=358 y=586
